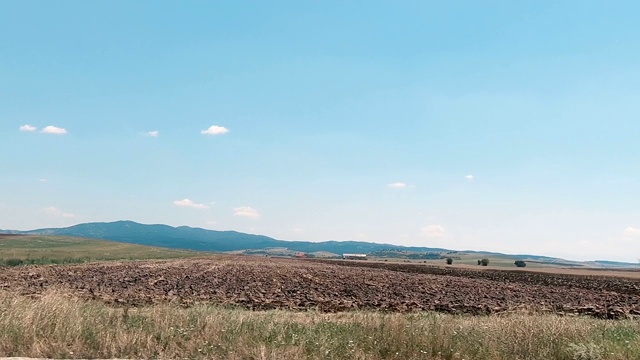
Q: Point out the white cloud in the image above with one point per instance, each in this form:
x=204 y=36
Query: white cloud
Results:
x=246 y=211
x=632 y=232
x=433 y=231
x=43 y=180
x=397 y=185
x=27 y=127
x=469 y=177
x=215 y=130
x=53 y=211
x=54 y=130
x=153 y=133
x=189 y=203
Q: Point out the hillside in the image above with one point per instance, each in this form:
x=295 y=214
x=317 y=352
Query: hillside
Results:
x=197 y=239
x=184 y=237
x=44 y=249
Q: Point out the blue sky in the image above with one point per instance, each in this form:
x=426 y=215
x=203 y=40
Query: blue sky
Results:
x=509 y=126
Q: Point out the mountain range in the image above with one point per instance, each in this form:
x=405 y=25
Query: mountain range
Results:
x=185 y=237
x=197 y=239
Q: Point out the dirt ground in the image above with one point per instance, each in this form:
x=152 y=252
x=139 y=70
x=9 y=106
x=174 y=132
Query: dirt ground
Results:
x=262 y=283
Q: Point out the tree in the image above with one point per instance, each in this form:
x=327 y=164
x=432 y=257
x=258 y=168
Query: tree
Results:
x=484 y=262
x=449 y=261
x=520 y=263
x=479 y=262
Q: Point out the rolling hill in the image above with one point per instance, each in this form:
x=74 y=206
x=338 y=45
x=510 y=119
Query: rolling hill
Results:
x=197 y=239
x=45 y=249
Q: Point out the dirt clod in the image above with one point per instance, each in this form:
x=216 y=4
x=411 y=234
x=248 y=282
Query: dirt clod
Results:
x=267 y=283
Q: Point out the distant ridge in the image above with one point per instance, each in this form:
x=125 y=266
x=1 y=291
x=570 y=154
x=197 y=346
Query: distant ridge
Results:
x=198 y=239
x=185 y=237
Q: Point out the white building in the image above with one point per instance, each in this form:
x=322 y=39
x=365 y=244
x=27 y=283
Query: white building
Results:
x=354 y=256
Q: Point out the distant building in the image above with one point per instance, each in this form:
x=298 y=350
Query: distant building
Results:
x=354 y=256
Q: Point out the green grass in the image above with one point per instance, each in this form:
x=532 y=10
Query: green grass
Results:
x=58 y=325
x=41 y=250
x=494 y=261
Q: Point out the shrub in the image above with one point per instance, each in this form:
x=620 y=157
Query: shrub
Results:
x=520 y=263
x=484 y=262
x=449 y=261
x=479 y=262
x=14 y=262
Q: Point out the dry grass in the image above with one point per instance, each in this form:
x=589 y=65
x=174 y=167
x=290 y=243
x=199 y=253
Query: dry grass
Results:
x=57 y=325
x=507 y=265
x=590 y=272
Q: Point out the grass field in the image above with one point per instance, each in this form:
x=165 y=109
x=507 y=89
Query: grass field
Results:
x=494 y=261
x=60 y=249
x=503 y=263
x=57 y=325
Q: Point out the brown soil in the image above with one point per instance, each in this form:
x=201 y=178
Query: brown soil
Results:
x=268 y=283
x=633 y=273
x=585 y=279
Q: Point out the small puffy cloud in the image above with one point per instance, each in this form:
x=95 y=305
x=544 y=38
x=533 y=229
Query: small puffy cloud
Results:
x=27 y=127
x=43 y=180
x=469 y=177
x=397 y=185
x=215 y=130
x=632 y=232
x=190 y=204
x=433 y=231
x=53 y=211
x=246 y=211
x=54 y=130
x=153 y=133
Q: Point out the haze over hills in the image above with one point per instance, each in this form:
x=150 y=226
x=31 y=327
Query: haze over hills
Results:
x=198 y=239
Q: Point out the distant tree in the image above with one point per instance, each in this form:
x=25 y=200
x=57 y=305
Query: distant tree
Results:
x=449 y=261
x=520 y=263
x=479 y=262
x=484 y=262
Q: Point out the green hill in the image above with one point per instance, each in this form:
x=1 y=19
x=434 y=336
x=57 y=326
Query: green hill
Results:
x=197 y=239
x=46 y=249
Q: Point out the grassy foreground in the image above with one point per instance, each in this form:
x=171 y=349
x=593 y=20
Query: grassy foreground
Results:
x=57 y=325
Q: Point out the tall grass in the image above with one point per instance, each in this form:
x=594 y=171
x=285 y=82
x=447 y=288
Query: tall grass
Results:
x=57 y=325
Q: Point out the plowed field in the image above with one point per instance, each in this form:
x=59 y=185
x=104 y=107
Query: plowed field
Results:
x=268 y=283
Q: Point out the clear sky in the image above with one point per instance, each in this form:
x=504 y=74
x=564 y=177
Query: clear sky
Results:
x=509 y=126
